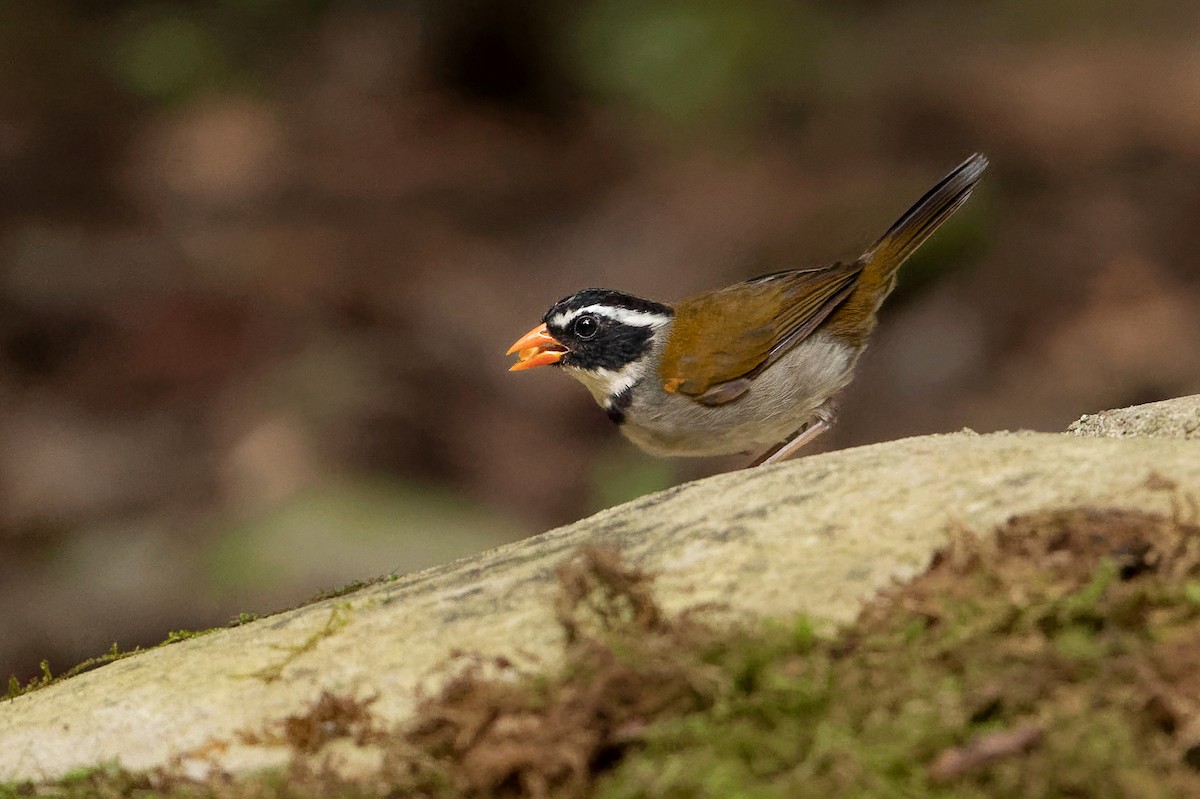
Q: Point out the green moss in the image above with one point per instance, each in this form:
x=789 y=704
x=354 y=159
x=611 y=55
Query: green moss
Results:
x=1056 y=657
x=16 y=688
x=46 y=678
x=348 y=588
x=175 y=636
x=339 y=616
x=894 y=702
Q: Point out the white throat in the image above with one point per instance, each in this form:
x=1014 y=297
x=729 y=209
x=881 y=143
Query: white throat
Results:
x=604 y=384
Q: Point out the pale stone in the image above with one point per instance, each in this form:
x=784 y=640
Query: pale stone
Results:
x=1175 y=418
x=817 y=535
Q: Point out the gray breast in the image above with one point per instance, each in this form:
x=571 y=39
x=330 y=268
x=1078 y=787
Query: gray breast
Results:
x=782 y=400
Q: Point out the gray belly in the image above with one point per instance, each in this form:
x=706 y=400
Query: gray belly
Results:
x=782 y=400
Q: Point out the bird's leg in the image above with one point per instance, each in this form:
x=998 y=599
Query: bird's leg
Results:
x=786 y=449
x=825 y=416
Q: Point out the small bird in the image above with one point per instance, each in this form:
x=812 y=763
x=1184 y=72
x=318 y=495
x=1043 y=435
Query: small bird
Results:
x=754 y=365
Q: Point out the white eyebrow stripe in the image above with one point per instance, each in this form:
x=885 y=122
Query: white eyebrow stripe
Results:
x=625 y=316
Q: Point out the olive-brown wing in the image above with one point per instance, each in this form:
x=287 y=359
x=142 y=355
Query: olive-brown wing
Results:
x=734 y=333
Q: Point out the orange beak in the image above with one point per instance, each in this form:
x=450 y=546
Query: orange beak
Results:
x=536 y=348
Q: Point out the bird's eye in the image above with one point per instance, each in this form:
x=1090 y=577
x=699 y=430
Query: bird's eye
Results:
x=585 y=326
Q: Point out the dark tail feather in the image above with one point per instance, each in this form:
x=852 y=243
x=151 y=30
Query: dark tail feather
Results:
x=918 y=223
x=855 y=319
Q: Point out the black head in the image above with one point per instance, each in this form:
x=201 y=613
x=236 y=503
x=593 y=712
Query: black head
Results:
x=604 y=329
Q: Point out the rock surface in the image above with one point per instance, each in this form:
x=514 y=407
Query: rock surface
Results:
x=1177 y=418
x=816 y=535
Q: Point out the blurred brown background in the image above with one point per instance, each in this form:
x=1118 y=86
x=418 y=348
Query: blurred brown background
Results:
x=260 y=259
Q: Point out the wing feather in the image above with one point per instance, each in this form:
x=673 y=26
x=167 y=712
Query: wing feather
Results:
x=734 y=333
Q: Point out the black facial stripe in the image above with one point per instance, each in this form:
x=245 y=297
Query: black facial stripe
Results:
x=615 y=346
x=616 y=404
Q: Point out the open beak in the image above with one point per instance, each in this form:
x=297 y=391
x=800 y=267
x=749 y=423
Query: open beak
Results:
x=536 y=348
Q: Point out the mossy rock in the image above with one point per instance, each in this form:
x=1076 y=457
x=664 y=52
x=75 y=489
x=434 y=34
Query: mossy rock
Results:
x=813 y=539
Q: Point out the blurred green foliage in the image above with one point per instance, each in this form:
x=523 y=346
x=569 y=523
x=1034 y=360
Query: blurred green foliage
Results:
x=167 y=55
x=620 y=473
x=691 y=60
x=327 y=530
x=150 y=51
x=727 y=62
